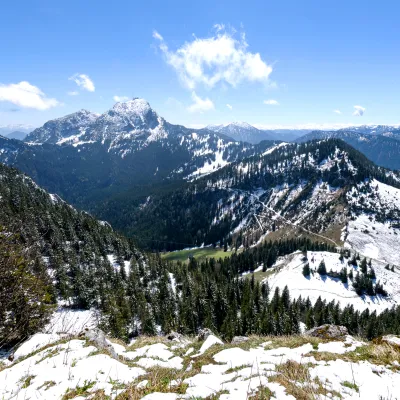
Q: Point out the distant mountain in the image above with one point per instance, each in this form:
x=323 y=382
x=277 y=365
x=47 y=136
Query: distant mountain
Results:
x=85 y=157
x=383 y=149
x=17 y=135
x=5 y=130
x=373 y=129
x=244 y=132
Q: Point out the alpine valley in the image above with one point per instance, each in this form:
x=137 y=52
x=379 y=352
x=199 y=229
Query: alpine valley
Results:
x=131 y=249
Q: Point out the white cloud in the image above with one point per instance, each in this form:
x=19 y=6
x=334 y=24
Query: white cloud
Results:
x=337 y=112
x=271 y=102
x=24 y=94
x=218 y=59
x=157 y=36
x=200 y=105
x=358 y=111
x=119 y=99
x=83 y=81
x=73 y=93
x=219 y=27
x=229 y=106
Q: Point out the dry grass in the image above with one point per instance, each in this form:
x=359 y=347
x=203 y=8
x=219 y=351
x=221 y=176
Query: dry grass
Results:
x=159 y=380
x=79 y=390
x=296 y=379
x=148 y=340
x=378 y=354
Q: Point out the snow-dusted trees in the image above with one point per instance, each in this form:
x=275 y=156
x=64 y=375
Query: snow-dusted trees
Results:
x=26 y=295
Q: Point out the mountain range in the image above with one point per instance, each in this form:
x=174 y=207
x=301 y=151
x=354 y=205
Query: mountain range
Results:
x=244 y=132
x=133 y=145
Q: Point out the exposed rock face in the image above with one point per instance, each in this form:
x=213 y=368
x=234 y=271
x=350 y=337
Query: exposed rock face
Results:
x=328 y=332
x=239 y=339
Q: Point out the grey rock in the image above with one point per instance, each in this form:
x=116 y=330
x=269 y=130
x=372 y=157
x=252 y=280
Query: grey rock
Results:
x=204 y=334
x=98 y=338
x=239 y=339
x=328 y=331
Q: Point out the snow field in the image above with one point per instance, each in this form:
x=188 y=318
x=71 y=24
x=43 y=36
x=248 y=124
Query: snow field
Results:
x=235 y=373
x=289 y=272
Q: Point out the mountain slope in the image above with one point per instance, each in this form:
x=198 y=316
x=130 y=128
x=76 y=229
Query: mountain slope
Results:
x=70 y=242
x=383 y=149
x=133 y=145
x=315 y=185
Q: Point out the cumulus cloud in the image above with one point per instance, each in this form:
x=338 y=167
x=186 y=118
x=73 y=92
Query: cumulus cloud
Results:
x=119 y=99
x=358 y=111
x=229 y=106
x=83 y=81
x=25 y=95
x=73 y=93
x=200 y=105
x=337 y=112
x=218 y=59
x=271 y=102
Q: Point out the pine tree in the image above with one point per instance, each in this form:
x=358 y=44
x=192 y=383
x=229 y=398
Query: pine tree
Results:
x=306 y=270
x=322 y=268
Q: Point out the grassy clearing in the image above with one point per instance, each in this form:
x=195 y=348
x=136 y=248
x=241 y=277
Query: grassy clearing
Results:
x=199 y=254
x=259 y=276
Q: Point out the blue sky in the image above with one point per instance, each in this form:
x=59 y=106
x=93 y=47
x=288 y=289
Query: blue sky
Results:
x=192 y=59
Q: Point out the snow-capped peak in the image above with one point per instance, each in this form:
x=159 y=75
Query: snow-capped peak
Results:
x=135 y=106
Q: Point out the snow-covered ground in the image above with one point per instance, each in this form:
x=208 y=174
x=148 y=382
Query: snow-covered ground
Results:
x=64 y=368
x=289 y=272
x=374 y=230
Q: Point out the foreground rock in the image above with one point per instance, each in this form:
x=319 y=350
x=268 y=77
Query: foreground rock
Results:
x=239 y=339
x=328 y=332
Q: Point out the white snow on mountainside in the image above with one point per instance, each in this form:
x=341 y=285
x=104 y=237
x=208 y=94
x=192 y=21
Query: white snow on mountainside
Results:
x=374 y=231
x=288 y=271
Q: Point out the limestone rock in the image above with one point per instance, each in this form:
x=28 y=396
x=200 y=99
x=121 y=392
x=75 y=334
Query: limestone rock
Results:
x=328 y=331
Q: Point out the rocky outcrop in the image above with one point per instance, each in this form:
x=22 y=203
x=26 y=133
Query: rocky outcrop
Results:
x=328 y=331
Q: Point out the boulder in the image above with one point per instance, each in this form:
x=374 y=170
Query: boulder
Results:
x=239 y=339
x=175 y=336
x=328 y=331
x=98 y=338
x=393 y=340
x=204 y=334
